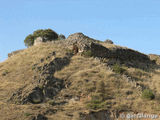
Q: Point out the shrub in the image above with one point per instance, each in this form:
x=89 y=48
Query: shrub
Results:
x=108 y=41
x=148 y=94
x=46 y=35
x=118 y=69
x=96 y=104
x=51 y=102
x=29 y=40
x=27 y=114
x=87 y=53
x=61 y=37
x=98 y=98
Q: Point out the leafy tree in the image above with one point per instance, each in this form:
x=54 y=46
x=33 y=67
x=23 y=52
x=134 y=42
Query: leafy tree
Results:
x=46 y=35
x=29 y=40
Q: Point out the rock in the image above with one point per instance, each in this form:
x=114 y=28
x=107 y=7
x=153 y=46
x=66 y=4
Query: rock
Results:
x=61 y=37
x=108 y=41
x=36 y=96
x=82 y=41
x=155 y=58
x=101 y=115
x=78 y=37
x=40 y=117
x=44 y=85
x=38 y=41
x=99 y=50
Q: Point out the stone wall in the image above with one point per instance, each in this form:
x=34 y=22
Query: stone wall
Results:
x=38 y=41
x=156 y=58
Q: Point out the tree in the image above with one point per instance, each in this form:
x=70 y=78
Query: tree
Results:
x=29 y=40
x=46 y=35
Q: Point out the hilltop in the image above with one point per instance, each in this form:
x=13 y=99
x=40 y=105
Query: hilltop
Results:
x=49 y=82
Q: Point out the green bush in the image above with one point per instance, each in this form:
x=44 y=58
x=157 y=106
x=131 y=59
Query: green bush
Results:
x=98 y=98
x=29 y=40
x=118 y=69
x=96 y=104
x=46 y=35
x=87 y=53
x=148 y=94
x=27 y=114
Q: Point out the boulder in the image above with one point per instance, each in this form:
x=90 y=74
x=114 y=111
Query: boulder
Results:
x=108 y=41
x=36 y=96
x=40 y=117
x=38 y=41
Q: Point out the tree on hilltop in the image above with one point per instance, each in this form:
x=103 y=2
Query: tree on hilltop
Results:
x=46 y=35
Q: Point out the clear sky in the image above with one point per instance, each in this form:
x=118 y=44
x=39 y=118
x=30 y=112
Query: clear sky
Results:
x=131 y=23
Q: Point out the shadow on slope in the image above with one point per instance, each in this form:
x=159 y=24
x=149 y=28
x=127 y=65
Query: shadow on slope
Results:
x=46 y=85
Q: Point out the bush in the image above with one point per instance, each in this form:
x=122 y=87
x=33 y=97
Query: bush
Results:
x=118 y=69
x=61 y=37
x=98 y=98
x=87 y=53
x=96 y=104
x=46 y=35
x=108 y=41
x=148 y=94
x=29 y=40
x=27 y=114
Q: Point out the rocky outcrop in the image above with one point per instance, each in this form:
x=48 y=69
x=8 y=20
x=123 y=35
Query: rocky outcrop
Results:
x=82 y=41
x=40 y=117
x=125 y=56
x=108 y=41
x=117 y=115
x=101 y=115
x=44 y=86
x=129 y=57
x=38 y=41
x=99 y=50
x=155 y=57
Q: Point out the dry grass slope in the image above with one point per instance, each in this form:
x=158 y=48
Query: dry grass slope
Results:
x=82 y=85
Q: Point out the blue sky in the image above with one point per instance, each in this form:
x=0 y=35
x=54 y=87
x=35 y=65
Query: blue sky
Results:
x=131 y=23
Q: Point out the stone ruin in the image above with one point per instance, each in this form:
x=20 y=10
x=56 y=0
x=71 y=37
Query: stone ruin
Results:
x=38 y=41
x=122 y=55
x=82 y=41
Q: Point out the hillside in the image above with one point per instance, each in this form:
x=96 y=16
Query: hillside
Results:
x=101 y=81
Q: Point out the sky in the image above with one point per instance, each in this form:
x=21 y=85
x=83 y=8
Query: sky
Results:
x=131 y=23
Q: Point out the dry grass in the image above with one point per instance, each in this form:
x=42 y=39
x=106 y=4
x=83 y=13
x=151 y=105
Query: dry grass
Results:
x=111 y=46
x=81 y=77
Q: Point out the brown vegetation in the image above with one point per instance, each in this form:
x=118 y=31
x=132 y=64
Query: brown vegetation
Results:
x=77 y=87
